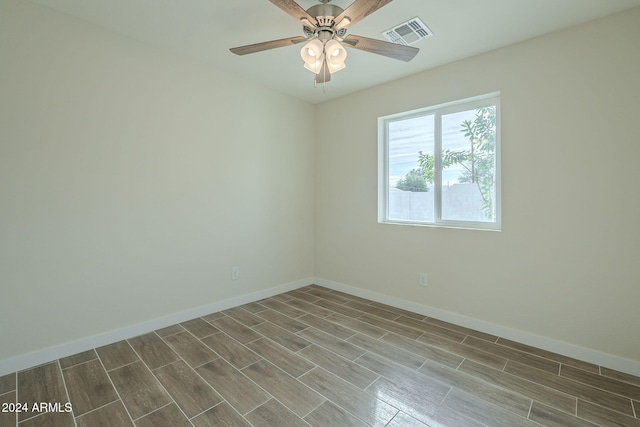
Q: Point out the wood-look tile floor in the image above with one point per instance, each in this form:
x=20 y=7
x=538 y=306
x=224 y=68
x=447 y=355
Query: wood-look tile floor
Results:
x=319 y=357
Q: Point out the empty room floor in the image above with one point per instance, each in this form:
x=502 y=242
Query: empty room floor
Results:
x=319 y=357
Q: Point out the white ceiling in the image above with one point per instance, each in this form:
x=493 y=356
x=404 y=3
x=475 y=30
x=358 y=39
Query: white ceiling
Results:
x=206 y=29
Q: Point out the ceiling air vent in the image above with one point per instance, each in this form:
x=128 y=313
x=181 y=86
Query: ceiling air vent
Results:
x=408 y=32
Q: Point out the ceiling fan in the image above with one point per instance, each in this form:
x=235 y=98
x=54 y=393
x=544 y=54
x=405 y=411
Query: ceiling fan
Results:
x=325 y=31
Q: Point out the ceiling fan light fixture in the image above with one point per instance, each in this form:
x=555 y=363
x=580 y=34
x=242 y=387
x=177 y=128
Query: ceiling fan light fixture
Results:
x=312 y=52
x=325 y=26
x=335 y=55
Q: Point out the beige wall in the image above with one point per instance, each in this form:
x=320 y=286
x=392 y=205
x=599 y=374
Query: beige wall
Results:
x=566 y=265
x=132 y=180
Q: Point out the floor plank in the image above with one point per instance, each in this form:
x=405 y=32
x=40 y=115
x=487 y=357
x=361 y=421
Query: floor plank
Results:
x=243 y=316
x=117 y=355
x=423 y=349
x=299 y=398
x=389 y=351
x=412 y=381
x=423 y=326
x=42 y=384
x=540 y=393
x=231 y=350
x=283 y=337
x=236 y=330
x=480 y=410
x=465 y=351
x=89 y=386
x=240 y=392
x=403 y=420
x=7 y=383
x=283 y=358
x=50 y=419
x=139 y=390
x=284 y=321
x=351 y=372
x=192 y=394
x=220 y=415
x=111 y=415
x=75 y=359
x=324 y=325
x=199 y=328
x=152 y=350
x=9 y=417
x=550 y=417
x=330 y=414
x=550 y=355
x=357 y=325
x=273 y=413
x=360 y=403
x=168 y=416
x=343 y=348
x=282 y=308
x=309 y=308
x=192 y=350
x=472 y=385
x=391 y=326
x=512 y=354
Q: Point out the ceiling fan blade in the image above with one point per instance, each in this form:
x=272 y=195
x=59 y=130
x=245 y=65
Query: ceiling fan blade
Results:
x=295 y=10
x=358 y=10
x=259 y=47
x=392 y=50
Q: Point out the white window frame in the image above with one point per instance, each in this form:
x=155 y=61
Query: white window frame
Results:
x=492 y=99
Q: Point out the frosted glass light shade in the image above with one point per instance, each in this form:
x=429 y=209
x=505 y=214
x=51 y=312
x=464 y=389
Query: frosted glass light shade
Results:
x=314 y=67
x=312 y=52
x=335 y=55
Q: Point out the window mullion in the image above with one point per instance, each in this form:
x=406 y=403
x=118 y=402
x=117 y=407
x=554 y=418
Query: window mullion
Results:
x=383 y=170
x=437 y=176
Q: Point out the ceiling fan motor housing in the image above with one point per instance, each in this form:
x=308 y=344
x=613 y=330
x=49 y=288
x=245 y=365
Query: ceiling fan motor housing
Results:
x=325 y=9
x=325 y=14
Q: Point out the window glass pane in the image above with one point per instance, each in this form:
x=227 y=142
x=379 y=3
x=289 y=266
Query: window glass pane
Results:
x=410 y=193
x=468 y=165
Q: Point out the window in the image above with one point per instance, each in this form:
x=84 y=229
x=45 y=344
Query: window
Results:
x=441 y=165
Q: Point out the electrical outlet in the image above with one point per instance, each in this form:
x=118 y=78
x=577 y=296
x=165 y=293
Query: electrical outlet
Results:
x=235 y=273
x=423 y=279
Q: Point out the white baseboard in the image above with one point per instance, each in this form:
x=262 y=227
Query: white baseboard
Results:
x=607 y=360
x=39 y=357
x=49 y=354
